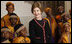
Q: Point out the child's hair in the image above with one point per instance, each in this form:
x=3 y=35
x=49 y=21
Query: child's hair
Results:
x=47 y=9
x=8 y=4
x=5 y=29
x=12 y=15
x=36 y=4
x=60 y=7
x=64 y=26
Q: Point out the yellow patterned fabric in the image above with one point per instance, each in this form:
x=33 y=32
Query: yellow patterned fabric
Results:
x=27 y=40
x=61 y=26
x=70 y=27
x=66 y=39
x=47 y=20
x=70 y=23
x=21 y=40
x=2 y=23
x=18 y=40
x=11 y=28
x=53 y=25
x=7 y=23
x=6 y=20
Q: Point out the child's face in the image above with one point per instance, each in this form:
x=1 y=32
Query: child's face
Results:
x=61 y=10
x=49 y=12
x=5 y=34
x=37 y=12
x=13 y=21
x=10 y=9
x=67 y=27
x=66 y=17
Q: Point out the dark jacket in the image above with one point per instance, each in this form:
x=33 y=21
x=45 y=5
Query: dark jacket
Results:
x=37 y=33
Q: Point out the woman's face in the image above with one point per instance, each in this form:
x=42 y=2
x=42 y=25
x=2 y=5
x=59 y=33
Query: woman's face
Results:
x=37 y=12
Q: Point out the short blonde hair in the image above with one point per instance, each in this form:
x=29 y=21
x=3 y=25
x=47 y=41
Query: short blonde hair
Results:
x=36 y=4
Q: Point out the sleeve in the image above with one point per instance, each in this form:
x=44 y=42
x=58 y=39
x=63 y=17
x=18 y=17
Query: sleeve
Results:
x=53 y=26
x=31 y=32
x=64 y=39
x=2 y=23
x=18 y=22
x=50 y=33
x=51 y=38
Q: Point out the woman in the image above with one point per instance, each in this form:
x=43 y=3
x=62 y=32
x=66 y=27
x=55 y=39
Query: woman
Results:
x=39 y=29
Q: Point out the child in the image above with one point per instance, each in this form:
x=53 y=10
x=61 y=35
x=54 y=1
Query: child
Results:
x=20 y=32
x=66 y=35
x=13 y=21
x=6 y=35
x=10 y=9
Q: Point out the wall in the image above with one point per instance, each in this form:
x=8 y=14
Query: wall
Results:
x=22 y=9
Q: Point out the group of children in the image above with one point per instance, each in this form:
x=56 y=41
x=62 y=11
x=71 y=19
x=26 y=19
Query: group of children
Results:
x=12 y=30
x=41 y=30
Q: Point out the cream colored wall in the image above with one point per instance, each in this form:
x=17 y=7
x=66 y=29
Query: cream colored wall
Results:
x=22 y=9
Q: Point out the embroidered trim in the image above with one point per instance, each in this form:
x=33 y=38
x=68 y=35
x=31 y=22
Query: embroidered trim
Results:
x=43 y=30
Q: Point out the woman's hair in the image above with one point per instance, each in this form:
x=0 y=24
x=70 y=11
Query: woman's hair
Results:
x=36 y=4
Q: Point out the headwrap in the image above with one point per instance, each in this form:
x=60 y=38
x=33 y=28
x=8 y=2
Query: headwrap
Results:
x=13 y=15
x=5 y=29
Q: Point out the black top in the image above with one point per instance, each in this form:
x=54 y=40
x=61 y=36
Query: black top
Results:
x=37 y=33
x=17 y=27
x=40 y=22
